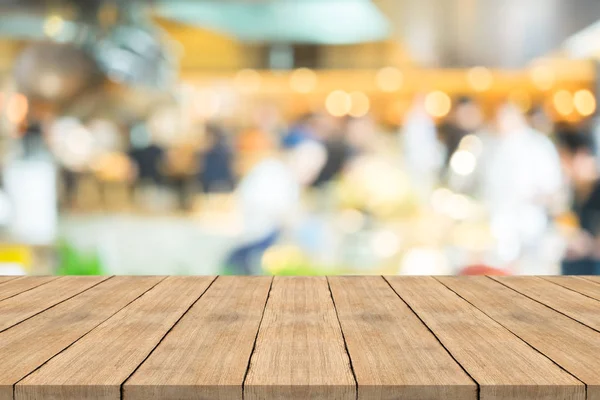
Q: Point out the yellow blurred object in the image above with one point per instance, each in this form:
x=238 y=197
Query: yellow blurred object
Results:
x=16 y=254
x=438 y=104
x=585 y=102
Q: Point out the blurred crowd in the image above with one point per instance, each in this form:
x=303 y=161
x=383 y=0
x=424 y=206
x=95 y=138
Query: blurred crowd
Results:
x=527 y=175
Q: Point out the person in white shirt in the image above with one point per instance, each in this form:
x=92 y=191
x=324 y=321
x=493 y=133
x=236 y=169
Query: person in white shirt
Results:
x=521 y=177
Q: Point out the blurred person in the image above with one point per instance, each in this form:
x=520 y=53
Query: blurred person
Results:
x=303 y=129
x=216 y=169
x=30 y=178
x=583 y=249
x=521 y=179
x=422 y=152
x=181 y=166
x=538 y=119
x=338 y=151
x=269 y=197
x=147 y=155
x=466 y=118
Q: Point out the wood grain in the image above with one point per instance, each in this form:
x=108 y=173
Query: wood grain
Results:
x=14 y=287
x=28 y=345
x=573 y=346
x=577 y=284
x=300 y=352
x=26 y=304
x=206 y=355
x=95 y=366
x=503 y=365
x=4 y=279
x=577 y=306
x=394 y=355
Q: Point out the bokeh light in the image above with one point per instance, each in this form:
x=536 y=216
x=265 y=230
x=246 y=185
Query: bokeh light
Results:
x=472 y=144
x=360 y=104
x=543 y=77
x=480 y=79
x=303 y=80
x=438 y=104
x=53 y=25
x=585 y=102
x=17 y=107
x=463 y=162
x=385 y=244
x=389 y=79
x=247 y=80
x=563 y=102
x=338 y=103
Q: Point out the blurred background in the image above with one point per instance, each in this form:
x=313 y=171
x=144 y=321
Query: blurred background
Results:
x=299 y=137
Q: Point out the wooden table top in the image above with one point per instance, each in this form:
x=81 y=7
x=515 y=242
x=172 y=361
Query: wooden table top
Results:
x=299 y=338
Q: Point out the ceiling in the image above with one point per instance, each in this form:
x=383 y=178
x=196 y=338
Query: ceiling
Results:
x=446 y=33
x=498 y=33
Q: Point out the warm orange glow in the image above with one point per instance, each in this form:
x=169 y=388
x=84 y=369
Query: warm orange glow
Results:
x=360 y=104
x=585 y=102
x=17 y=108
x=247 y=80
x=480 y=79
x=521 y=99
x=303 y=80
x=543 y=77
x=438 y=104
x=338 y=103
x=563 y=102
x=389 y=79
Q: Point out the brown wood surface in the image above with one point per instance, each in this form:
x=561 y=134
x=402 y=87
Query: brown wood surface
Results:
x=27 y=304
x=577 y=284
x=540 y=326
x=393 y=353
x=13 y=287
x=300 y=350
x=575 y=305
x=28 y=345
x=503 y=365
x=4 y=279
x=95 y=366
x=293 y=338
x=206 y=355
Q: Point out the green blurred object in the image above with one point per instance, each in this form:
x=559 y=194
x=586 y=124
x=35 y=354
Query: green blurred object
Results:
x=76 y=262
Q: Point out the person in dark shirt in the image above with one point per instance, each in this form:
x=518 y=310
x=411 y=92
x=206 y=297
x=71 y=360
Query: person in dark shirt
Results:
x=216 y=172
x=465 y=119
x=577 y=155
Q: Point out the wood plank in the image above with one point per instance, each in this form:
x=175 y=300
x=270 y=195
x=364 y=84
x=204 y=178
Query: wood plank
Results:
x=31 y=343
x=570 y=344
x=25 y=305
x=95 y=366
x=7 y=278
x=300 y=351
x=206 y=354
x=393 y=354
x=568 y=302
x=503 y=365
x=14 y=287
x=577 y=284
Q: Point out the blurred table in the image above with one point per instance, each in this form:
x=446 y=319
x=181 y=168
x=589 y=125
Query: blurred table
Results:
x=299 y=337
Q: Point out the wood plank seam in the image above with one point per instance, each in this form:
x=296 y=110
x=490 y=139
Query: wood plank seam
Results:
x=85 y=334
x=343 y=337
x=436 y=338
x=552 y=308
x=28 y=289
x=589 y=279
x=10 y=278
x=568 y=288
x=256 y=337
x=165 y=335
x=54 y=305
x=527 y=343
